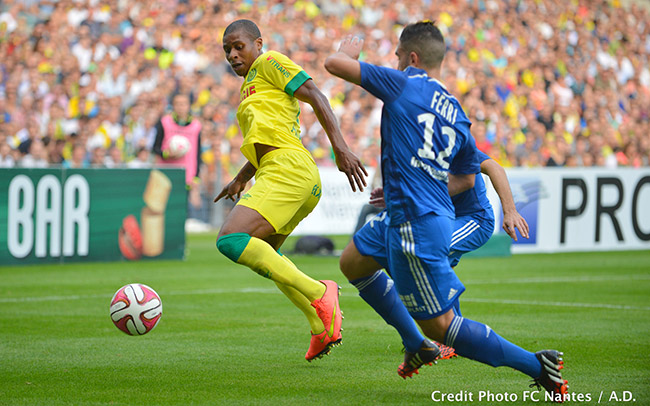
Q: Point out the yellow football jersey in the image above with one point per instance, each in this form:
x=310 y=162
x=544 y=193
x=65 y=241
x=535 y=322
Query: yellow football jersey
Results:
x=268 y=113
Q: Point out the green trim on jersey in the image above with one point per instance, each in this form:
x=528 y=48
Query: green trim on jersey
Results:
x=297 y=81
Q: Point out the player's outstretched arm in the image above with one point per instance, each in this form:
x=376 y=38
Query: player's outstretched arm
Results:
x=238 y=184
x=346 y=161
x=344 y=63
x=511 y=218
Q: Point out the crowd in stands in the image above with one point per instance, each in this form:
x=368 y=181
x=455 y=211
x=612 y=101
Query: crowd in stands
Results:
x=545 y=82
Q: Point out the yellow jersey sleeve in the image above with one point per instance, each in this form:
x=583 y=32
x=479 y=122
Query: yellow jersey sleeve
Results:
x=281 y=72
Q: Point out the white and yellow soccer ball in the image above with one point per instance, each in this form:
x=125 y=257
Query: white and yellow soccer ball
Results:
x=179 y=146
x=136 y=309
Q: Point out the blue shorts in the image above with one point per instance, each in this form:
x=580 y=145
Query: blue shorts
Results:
x=417 y=257
x=370 y=240
x=470 y=233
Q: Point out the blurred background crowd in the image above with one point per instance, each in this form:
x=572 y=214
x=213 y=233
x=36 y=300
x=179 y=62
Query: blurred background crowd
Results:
x=545 y=82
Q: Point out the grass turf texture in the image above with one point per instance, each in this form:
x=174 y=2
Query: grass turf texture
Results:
x=227 y=336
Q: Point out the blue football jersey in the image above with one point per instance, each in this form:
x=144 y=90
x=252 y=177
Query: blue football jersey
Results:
x=475 y=199
x=424 y=136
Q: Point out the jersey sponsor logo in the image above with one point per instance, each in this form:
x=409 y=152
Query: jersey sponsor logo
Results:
x=433 y=172
x=247 y=92
x=251 y=75
x=277 y=65
x=316 y=191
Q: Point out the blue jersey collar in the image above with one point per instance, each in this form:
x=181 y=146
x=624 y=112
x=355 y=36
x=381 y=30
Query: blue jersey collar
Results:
x=413 y=71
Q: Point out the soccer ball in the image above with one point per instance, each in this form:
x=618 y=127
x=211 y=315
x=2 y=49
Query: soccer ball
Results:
x=179 y=146
x=136 y=309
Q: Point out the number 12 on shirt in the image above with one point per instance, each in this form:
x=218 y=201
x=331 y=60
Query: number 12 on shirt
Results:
x=427 y=151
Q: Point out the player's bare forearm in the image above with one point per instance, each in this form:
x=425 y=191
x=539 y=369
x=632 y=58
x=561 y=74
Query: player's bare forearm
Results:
x=238 y=184
x=512 y=220
x=500 y=182
x=246 y=172
x=309 y=93
x=344 y=63
x=460 y=183
x=346 y=161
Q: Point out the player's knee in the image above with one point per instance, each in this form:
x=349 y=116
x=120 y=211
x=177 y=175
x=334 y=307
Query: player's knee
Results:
x=354 y=265
x=345 y=264
x=437 y=327
x=232 y=245
x=345 y=259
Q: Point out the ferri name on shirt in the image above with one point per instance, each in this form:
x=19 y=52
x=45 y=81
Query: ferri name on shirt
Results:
x=442 y=105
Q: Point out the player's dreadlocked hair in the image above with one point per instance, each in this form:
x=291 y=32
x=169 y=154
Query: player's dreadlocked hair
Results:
x=249 y=27
x=425 y=39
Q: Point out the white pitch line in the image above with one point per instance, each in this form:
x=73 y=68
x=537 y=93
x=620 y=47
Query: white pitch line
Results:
x=352 y=293
x=567 y=279
x=556 y=304
x=98 y=296
x=561 y=279
x=47 y=298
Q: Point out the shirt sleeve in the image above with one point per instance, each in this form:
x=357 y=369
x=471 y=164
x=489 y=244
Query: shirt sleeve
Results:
x=385 y=84
x=466 y=161
x=282 y=72
x=482 y=156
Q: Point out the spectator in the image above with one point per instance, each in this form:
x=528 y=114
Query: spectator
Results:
x=141 y=159
x=6 y=156
x=36 y=157
x=114 y=158
x=77 y=158
x=98 y=157
x=527 y=71
x=181 y=123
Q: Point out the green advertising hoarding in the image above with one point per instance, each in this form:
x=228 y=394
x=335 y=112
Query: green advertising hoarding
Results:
x=77 y=215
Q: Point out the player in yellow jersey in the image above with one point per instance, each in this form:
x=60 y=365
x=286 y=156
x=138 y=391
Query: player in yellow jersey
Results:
x=287 y=184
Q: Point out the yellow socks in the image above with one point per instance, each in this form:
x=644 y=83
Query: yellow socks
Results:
x=263 y=259
x=305 y=306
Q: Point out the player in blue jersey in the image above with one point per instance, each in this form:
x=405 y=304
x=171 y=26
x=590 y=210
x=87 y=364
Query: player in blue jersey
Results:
x=428 y=154
x=366 y=254
x=474 y=222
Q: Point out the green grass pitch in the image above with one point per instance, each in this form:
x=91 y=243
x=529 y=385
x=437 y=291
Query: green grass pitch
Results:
x=227 y=336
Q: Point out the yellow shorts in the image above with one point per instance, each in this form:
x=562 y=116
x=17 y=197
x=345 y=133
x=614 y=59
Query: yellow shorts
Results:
x=287 y=188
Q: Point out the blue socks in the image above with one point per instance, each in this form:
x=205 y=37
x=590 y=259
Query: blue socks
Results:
x=469 y=338
x=477 y=341
x=378 y=291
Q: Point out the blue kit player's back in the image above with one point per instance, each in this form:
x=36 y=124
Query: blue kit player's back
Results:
x=425 y=135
